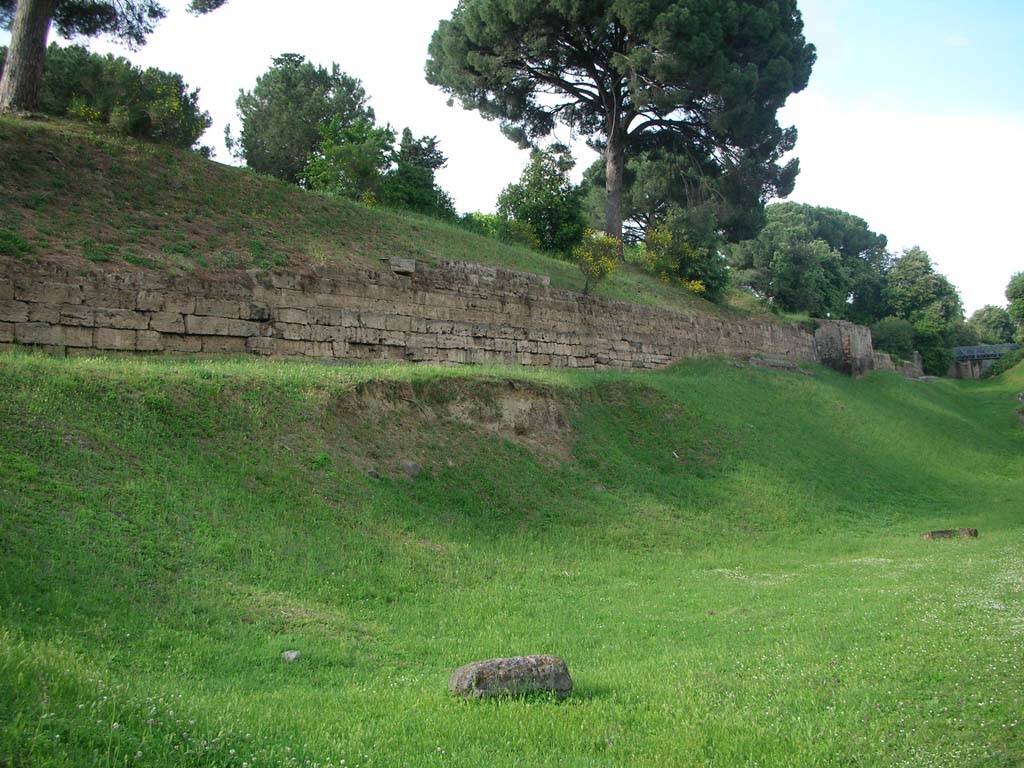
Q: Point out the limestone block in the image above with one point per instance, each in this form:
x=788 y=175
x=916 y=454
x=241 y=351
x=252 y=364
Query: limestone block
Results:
x=261 y=345
x=116 y=338
x=179 y=304
x=39 y=333
x=290 y=347
x=149 y=301
x=398 y=322
x=178 y=343
x=72 y=314
x=124 y=319
x=6 y=290
x=6 y=332
x=362 y=336
x=14 y=311
x=373 y=320
x=254 y=310
x=149 y=341
x=167 y=322
x=79 y=337
x=43 y=313
x=292 y=331
x=223 y=344
x=221 y=308
x=50 y=293
x=220 y=326
x=292 y=298
x=291 y=315
x=332 y=316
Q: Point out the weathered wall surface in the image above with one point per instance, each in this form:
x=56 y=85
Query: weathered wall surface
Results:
x=452 y=313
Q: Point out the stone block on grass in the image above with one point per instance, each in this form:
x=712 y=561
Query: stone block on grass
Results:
x=515 y=676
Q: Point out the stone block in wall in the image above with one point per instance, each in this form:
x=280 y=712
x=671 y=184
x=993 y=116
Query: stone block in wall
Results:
x=149 y=341
x=373 y=320
x=6 y=290
x=39 y=333
x=179 y=304
x=123 y=319
x=49 y=293
x=14 y=311
x=116 y=338
x=79 y=337
x=261 y=345
x=223 y=344
x=201 y=325
x=398 y=323
x=6 y=332
x=167 y=322
x=72 y=314
x=149 y=301
x=291 y=315
x=332 y=316
x=292 y=331
x=292 y=298
x=254 y=310
x=43 y=313
x=220 y=308
x=180 y=343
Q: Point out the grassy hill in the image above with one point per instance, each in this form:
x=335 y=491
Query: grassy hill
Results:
x=728 y=558
x=67 y=189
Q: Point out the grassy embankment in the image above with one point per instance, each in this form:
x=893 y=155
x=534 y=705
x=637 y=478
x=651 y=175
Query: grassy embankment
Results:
x=728 y=559
x=69 y=190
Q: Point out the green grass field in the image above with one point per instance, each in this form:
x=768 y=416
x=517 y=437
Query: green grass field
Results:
x=729 y=560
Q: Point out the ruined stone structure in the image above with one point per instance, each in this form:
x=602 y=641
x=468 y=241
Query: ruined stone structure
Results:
x=455 y=312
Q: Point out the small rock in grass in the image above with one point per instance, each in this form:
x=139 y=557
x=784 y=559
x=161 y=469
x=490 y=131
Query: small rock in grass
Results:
x=514 y=676
x=290 y=656
x=1020 y=396
x=373 y=473
x=412 y=469
x=950 y=533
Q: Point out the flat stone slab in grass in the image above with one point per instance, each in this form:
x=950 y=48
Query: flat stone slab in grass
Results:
x=514 y=676
x=951 y=533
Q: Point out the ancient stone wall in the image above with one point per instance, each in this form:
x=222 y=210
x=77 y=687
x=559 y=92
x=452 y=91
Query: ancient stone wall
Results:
x=451 y=313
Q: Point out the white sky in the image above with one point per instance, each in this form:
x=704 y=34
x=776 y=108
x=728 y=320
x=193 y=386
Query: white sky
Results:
x=914 y=168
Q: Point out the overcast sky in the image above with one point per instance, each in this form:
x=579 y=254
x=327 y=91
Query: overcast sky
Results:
x=914 y=118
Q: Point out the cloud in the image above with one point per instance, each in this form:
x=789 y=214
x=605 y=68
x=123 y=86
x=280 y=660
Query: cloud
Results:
x=947 y=183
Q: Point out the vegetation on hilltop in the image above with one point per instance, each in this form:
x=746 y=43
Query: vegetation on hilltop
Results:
x=72 y=190
x=728 y=558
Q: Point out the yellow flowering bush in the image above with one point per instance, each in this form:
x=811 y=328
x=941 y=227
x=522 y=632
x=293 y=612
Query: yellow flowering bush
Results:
x=597 y=256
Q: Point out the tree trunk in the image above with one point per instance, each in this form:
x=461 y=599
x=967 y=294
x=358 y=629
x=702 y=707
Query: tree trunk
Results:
x=614 y=167
x=23 y=69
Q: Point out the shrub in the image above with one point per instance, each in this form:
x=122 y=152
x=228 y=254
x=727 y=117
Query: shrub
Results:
x=110 y=90
x=894 y=335
x=597 y=256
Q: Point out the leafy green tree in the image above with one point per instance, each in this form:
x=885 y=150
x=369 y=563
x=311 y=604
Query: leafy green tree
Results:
x=702 y=78
x=411 y=185
x=895 y=335
x=822 y=261
x=1015 y=295
x=547 y=201
x=283 y=115
x=917 y=293
x=149 y=104
x=992 y=324
x=29 y=22
x=351 y=160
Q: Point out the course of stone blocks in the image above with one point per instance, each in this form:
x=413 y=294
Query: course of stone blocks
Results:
x=454 y=312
